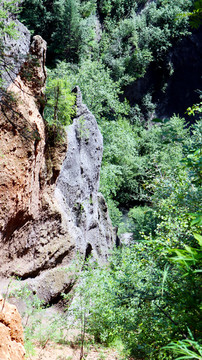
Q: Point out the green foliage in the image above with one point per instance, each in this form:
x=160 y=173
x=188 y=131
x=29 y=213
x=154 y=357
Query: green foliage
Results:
x=193 y=162
x=123 y=55
x=197 y=108
x=148 y=296
x=100 y=93
x=7 y=27
x=35 y=14
x=67 y=25
x=134 y=42
x=67 y=32
x=116 y=9
x=60 y=101
x=122 y=301
x=188 y=349
x=31 y=314
x=118 y=161
x=142 y=220
x=189 y=259
x=195 y=17
x=128 y=40
x=142 y=301
x=114 y=212
x=131 y=175
x=177 y=193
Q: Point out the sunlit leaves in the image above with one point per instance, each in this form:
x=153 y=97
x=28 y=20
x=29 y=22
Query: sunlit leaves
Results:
x=59 y=108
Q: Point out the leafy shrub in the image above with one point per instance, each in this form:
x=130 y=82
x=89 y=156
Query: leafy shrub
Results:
x=59 y=108
x=142 y=300
x=188 y=349
x=100 y=93
x=143 y=221
x=60 y=24
x=130 y=45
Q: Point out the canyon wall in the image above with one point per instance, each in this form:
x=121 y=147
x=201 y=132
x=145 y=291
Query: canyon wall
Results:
x=50 y=207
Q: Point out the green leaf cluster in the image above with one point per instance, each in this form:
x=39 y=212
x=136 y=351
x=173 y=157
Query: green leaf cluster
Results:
x=67 y=26
x=60 y=102
x=127 y=36
x=149 y=294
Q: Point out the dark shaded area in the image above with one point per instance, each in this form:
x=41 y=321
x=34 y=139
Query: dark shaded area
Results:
x=60 y=297
x=118 y=241
x=88 y=251
x=179 y=74
x=16 y=223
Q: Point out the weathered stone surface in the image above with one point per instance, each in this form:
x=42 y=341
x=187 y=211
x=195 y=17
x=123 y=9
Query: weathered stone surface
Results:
x=11 y=333
x=22 y=140
x=48 y=213
x=82 y=213
x=16 y=50
x=33 y=235
x=126 y=239
x=78 y=184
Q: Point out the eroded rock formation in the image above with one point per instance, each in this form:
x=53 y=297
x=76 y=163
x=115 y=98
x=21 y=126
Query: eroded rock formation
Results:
x=78 y=183
x=77 y=215
x=15 y=52
x=49 y=209
x=11 y=333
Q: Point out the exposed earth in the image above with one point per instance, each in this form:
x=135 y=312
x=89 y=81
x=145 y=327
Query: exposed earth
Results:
x=53 y=351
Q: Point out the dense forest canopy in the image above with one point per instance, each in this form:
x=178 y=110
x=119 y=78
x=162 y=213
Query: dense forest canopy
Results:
x=148 y=298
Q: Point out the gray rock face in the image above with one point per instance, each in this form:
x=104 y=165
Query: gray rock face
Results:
x=81 y=210
x=67 y=215
x=50 y=207
x=16 y=50
x=126 y=239
x=78 y=184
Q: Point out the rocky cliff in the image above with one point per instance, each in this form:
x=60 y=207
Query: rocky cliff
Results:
x=50 y=207
x=15 y=52
x=11 y=332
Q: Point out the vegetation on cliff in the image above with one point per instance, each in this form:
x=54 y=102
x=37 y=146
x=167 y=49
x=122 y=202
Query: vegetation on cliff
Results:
x=7 y=28
x=147 y=298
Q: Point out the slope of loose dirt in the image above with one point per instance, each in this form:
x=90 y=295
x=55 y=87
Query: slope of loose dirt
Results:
x=54 y=351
